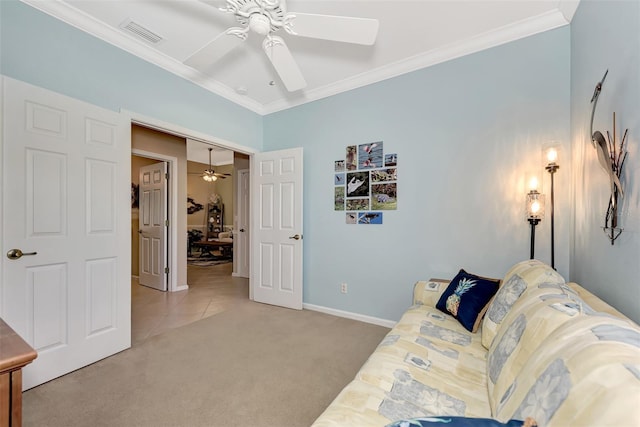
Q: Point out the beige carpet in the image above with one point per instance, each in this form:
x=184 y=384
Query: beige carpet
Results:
x=257 y=365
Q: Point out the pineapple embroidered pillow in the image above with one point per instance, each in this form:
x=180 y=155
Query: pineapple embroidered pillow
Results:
x=467 y=298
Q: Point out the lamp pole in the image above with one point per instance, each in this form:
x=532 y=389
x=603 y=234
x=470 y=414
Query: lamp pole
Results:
x=552 y=168
x=533 y=222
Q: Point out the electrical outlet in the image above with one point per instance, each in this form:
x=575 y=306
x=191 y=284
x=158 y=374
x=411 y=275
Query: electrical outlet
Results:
x=343 y=288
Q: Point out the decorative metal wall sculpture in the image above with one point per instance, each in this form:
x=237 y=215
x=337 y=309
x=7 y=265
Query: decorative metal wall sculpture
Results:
x=611 y=156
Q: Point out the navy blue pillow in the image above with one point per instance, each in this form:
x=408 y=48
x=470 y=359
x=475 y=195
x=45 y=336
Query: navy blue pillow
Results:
x=466 y=298
x=460 y=422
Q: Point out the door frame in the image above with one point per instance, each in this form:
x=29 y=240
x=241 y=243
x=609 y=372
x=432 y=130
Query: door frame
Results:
x=172 y=212
x=237 y=249
x=183 y=132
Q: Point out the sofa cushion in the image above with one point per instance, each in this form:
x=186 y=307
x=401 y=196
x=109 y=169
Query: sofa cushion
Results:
x=356 y=405
x=467 y=297
x=428 y=365
x=520 y=279
x=584 y=373
x=526 y=328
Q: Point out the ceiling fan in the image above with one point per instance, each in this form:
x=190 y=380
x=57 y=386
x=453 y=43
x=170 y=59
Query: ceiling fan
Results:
x=209 y=174
x=265 y=17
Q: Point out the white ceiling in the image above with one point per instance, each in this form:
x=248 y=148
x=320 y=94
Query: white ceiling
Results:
x=199 y=152
x=412 y=35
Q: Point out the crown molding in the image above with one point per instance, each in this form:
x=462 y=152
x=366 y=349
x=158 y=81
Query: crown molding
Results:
x=517 y=30
x=568 y=8
x=84 y=22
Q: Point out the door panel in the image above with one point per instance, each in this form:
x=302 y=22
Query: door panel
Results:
x=153 y=229
x=276 y=273
x=46 y=193
x=101 y=196
x=47 y=326
x=66 y=197
x=101 y=295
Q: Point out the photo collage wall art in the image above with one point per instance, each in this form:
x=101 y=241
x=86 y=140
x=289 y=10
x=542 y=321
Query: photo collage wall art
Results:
x=365 y=183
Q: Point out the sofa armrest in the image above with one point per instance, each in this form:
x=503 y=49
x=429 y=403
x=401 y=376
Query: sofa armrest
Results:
x=428 y=292
x=596 y=303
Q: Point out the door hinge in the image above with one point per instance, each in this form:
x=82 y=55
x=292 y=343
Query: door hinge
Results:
x=166 y=176
x=166 y=270
x=166 y=222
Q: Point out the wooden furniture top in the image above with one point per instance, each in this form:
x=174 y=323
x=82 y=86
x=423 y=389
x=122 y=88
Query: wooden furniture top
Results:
x=213 y=243
x=15 y=353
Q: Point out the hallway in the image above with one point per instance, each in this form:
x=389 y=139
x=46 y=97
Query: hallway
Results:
x=212 y=290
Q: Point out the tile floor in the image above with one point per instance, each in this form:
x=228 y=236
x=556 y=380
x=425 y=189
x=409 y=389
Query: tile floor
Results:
x=211 y=290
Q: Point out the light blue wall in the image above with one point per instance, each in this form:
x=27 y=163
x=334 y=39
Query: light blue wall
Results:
x=43 y=51
x=606 y=35
x=466 y=132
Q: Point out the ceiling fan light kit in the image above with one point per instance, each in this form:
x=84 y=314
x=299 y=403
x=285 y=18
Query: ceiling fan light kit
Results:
x=210 y=175
x=265 y=17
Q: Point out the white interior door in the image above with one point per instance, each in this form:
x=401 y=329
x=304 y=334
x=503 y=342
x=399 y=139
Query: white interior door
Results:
x=66 y=206
x=153 y=227
x=241 y=238
x=276 y=234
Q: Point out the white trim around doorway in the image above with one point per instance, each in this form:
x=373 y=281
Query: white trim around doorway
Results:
x=181 y=131
x=177 y=130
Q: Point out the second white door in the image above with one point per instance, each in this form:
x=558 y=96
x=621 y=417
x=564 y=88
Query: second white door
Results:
x=276 y=232
x=153 y=226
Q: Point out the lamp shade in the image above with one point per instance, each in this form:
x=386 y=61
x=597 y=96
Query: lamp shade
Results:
x=534 y=205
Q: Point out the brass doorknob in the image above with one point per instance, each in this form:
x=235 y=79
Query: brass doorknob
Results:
x=17 y=253
x=296 y=237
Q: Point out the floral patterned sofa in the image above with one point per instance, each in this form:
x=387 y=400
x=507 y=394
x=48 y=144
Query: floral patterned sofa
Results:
x=545 y=349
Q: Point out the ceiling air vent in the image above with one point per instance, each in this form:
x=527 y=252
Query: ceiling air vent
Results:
x=139 y=31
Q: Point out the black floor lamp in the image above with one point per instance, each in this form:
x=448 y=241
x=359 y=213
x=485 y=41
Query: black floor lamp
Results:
x=552 y=167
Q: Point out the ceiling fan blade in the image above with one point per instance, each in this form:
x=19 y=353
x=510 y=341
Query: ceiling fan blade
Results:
x=282 y=60
x=337 y=28
x=214 y=50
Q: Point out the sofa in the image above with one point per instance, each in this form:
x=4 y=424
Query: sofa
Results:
x=544 y=349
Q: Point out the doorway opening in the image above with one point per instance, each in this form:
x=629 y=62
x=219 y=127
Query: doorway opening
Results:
x=198 y=291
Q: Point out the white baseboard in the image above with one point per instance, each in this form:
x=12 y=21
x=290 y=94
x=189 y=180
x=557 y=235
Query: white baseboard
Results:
x=349 y=315
x=234 y=274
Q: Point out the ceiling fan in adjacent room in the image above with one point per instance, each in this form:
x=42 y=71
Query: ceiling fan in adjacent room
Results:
x=266 y=17
x=209 y=174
